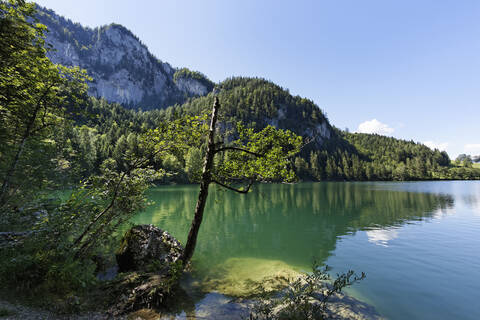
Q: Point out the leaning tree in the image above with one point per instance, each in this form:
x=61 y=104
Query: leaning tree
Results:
x=248 y=158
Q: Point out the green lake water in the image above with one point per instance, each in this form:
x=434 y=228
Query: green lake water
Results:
x=418 y=242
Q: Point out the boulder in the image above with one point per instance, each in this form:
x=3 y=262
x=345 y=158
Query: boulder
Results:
x=147 y=248
x=148 y=260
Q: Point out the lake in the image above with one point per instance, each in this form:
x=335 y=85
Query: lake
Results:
x=418 y=242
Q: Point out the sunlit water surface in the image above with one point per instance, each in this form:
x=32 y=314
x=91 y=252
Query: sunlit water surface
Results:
x=418 y=242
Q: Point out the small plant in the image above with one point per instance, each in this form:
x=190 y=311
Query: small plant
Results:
x=304 y=298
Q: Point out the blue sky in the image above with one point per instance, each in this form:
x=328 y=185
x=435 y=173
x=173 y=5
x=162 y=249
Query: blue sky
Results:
x=409 y=68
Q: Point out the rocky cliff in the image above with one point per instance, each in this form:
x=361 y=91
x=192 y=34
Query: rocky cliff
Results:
x=122 y=68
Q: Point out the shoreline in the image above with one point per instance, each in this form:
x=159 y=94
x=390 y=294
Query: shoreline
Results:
x=213 y=306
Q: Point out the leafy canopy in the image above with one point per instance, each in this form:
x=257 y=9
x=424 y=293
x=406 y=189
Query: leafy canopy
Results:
x=36 y=96
x=257 y=156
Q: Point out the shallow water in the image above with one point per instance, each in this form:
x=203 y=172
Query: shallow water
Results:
x=418 y=242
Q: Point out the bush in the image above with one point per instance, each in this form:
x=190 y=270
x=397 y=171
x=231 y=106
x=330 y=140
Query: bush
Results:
x=30 y=270
x=305 y=298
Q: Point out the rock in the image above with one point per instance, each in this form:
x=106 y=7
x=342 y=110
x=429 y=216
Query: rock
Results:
x=148 y=259
x=133 y=291
x=121 y=66
x=244 y=277
x=147 y=248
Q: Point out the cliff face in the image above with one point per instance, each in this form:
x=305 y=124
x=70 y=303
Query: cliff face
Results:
x=124 y=71
x=122 y=68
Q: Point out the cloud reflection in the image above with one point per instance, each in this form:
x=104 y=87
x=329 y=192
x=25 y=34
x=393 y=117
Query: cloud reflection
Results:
x=381 y=237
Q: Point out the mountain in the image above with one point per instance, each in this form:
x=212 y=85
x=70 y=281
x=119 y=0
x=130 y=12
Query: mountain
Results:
x=125 y=72
x=122 y=68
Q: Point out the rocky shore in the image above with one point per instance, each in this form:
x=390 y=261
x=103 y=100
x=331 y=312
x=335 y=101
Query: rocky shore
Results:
x=152 y=285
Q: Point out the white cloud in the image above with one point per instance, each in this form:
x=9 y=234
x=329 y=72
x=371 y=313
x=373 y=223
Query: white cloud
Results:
x=472 y=148
x=374 y=126
x=442 y=146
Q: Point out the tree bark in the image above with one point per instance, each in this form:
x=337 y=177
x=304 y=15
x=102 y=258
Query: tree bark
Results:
x=205 y=182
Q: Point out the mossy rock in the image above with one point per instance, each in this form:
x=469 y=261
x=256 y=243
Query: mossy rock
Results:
x=147 y=248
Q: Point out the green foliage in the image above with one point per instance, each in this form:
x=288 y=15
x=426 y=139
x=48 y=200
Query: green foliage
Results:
x=34 y=268
x=35 y=95
x=88 y=220
x=464 y=160
x=467 y=163
x=393 y=159
x=193 y=164
x=306 y=297
x=357 y=156
x=57 y=256
x=257 y=103
x=177 y=136
x=344 y=156
x=259 y=156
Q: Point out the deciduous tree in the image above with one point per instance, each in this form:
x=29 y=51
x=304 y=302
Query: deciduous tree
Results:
x=34 y=93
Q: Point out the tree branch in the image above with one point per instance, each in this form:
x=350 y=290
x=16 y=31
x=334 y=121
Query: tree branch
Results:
x=104 y=211
x=44 y=125
x=232 y=188
x=241 y=150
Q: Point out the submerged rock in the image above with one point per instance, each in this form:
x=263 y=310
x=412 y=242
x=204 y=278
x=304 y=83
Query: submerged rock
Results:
x=147 y=248
x=243 y=277
x=249 y=279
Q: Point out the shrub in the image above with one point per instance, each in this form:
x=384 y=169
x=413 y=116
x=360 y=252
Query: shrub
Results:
x=305 y=298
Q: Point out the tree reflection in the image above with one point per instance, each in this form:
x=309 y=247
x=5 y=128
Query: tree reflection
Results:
x=291 y=223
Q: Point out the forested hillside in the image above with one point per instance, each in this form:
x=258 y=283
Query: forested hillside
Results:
x=109 y=131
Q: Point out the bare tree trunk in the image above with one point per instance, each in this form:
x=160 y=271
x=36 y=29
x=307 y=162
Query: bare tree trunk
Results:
x=203 y=194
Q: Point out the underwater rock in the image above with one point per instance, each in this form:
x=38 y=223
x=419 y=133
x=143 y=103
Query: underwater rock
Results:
x=243 y=277
x=147 y=248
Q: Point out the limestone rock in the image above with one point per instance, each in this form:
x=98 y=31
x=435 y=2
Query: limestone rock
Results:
x=122 y=67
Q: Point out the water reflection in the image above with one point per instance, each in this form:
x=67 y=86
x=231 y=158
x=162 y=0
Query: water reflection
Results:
x=417 y=242
x=290 y=223
x=381 y=237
